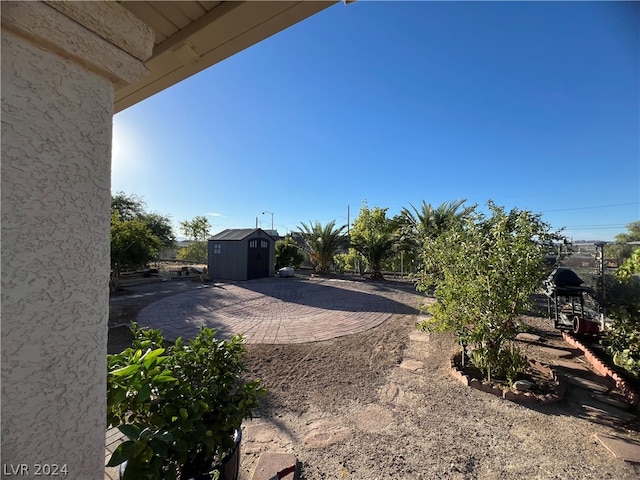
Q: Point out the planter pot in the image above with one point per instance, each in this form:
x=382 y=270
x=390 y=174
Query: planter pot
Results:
x=229 y=467
x=285 y=272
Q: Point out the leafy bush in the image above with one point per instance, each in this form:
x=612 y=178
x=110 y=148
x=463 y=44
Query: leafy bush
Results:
x=194 y=252
x=178 y=405
x=288 y=253
x=484 y=270
x=623 y=306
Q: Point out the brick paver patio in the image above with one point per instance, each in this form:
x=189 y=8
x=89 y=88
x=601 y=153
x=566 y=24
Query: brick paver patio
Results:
x=279 y=310
x=274 y=310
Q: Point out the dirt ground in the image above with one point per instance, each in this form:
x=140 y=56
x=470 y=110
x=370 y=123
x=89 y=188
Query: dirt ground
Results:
x=348 y=409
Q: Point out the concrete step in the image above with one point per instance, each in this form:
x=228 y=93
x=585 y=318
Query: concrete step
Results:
x=276 y=466
x=623 y=448
x=528 y=337
x=595 y=385
x=571 y=365
x=612 y=401
x=556 y=352
x=607 y=413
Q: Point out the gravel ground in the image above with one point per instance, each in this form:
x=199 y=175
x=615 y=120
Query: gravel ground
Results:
x=348 y=410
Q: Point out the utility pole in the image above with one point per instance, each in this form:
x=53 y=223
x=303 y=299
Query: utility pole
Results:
x=348 y=218
x=267 y=211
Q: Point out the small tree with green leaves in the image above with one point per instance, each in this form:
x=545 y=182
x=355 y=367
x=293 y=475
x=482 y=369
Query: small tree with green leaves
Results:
x=288 y=253
x=624 y=246
x=178 y=405
x=485 y=269
x=623 y=306
x=198 y=231
x=630 y=266
x=133 y=245
x=372 y=237
x=136 y=235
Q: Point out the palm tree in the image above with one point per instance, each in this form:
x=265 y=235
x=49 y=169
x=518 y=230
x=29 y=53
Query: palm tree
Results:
x=322 y=243
x=429 y=222
x=376 y=248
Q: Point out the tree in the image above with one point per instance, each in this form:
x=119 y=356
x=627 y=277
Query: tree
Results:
x=630 y=267
x=375 y=248
x=372 y=237
x=621 y=250
x=623 y=306
x=196 y=252
x=429 y=222
x=288 y=253
x=198 y=231
x=419 y=226
x=160 y=226
x=128 y=207
x=136 y=235
x=133 y=207
x=485 y=270
x=133 y=245
x=322 y=243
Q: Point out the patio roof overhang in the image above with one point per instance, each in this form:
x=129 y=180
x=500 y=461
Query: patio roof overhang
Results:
x=191 y=36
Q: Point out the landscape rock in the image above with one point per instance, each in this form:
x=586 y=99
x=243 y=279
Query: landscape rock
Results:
x=522 y=385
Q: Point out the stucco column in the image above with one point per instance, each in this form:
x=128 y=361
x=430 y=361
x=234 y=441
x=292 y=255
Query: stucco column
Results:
x=60 y=63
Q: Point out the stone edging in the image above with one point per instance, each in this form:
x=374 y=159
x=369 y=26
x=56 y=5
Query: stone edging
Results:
x=508 y=394
x=630 y=396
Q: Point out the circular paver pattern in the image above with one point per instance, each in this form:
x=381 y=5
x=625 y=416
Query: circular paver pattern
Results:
x=279 y=310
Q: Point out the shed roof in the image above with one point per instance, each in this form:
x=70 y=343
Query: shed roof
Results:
x=236 y=233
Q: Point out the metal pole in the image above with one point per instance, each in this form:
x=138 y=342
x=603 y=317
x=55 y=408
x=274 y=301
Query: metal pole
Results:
x=602 y=285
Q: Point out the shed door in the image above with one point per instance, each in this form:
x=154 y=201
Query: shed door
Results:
x=258 y=261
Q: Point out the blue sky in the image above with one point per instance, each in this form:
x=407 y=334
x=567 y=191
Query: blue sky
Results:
x=534 y=105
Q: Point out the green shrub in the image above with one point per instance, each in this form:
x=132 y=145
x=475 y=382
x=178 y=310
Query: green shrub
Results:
x=484 y=270
x=178 y=405
x=194 y=252
x=623 y=306
x=288 y=253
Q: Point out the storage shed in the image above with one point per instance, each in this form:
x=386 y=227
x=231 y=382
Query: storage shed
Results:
x=241 y=254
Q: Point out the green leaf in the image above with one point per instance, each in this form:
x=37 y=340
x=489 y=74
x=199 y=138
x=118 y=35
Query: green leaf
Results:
x=150 y=356
x=131 y=431
x=180 y=445
x=164 y=379
x=159 y=447
x=137 y=355
x=121 y=453
x=146 y=434
x=124 y=371
x=144 y=394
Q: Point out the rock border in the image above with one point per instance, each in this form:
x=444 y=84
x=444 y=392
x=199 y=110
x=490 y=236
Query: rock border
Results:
x=507 y=394
x=631 y=397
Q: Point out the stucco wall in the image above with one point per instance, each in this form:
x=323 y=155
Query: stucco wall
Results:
x=57 y=105
x=56 y=136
